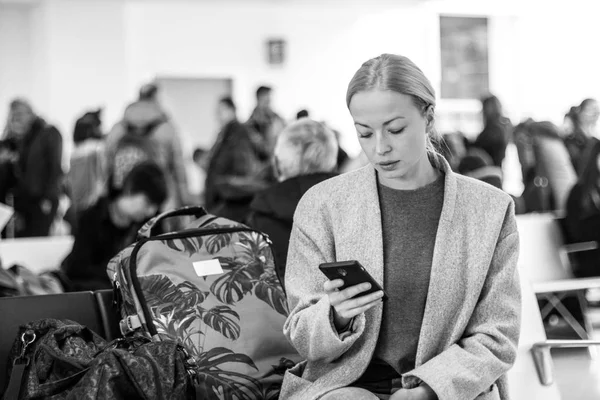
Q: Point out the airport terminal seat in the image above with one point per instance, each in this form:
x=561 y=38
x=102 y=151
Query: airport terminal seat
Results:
x=544 y=260
x=524 y=382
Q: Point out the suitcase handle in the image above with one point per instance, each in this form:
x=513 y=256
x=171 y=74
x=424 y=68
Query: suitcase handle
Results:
x=196 y=211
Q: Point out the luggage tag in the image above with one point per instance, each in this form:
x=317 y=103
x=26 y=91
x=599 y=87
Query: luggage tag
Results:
x=208 y=267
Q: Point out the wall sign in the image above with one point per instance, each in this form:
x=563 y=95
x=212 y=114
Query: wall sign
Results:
x=276 y=51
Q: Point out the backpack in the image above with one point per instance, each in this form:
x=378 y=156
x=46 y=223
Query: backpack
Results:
x=135 y=147
x=213 y=288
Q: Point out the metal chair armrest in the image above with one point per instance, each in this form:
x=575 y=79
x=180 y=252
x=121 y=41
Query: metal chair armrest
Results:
x=566 y=285
x=579 y=247
x=543 y=359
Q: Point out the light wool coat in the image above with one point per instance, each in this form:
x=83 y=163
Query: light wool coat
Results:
x=470 y=330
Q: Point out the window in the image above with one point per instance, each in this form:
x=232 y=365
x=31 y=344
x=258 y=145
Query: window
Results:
x=464 y=55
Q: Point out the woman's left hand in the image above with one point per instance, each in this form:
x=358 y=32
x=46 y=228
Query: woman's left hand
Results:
x=422 y=392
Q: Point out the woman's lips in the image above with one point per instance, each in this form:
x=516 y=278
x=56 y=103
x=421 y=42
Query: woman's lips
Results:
x=388 y=165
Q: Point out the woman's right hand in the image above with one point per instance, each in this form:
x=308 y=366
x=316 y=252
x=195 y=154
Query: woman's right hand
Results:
x=345 y=305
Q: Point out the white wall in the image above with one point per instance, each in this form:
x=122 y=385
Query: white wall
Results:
x=86 y=63
x=66 y=56
x=89 y=53
x=558 y=58
x=325 y=45
x=16 y=56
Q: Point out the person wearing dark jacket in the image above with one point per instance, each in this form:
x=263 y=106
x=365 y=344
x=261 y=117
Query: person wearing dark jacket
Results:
x=111 y=225
x=584 y=121
x=305 y=155
x=235 y=171
x=583 y=212
x=265 y=123
x=37 y=170
x=497 y=130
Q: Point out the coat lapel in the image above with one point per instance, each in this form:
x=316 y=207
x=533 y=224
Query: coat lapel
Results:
x=443 y=277
x=368 y=239
x=365 y=243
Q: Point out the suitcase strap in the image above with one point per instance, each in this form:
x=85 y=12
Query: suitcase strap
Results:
x=13 y=391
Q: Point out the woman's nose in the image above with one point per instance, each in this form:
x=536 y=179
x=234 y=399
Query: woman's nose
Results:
x=381 y=145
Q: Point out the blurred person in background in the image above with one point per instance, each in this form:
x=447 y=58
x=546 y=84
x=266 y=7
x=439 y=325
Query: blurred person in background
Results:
x=86 y=179
x=305 y=155
x=342 y=157
x=266 y=122
x=589 y=112
x=574 y=137
x=197 y=173
x=571 y=122
x=548 y=174
x=146 y=133
x=111 y=225
x=552 y=162
x=479 y=165
x=235 y=171
x=497 y=130
x=583 y=214
x=453 y=147
x=580 y=125
x=31 y=154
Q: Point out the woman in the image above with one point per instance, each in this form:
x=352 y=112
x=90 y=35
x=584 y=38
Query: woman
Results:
x=583 y=213
x=444 y=247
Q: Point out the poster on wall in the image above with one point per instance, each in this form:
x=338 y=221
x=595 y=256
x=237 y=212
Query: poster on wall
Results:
x=464 y=56
x=276 y=51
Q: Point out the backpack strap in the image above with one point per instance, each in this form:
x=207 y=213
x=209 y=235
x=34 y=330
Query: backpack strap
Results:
x=146 y=230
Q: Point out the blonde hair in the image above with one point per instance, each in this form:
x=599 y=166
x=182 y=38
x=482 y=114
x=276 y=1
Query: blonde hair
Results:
x=305 y=147
x=399 y=74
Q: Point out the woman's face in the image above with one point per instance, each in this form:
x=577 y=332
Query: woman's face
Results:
x=392 y=132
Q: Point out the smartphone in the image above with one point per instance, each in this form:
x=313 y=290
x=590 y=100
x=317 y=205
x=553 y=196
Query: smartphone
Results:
x=352 y=273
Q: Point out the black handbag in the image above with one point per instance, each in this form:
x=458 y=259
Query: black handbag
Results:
x=61 y=359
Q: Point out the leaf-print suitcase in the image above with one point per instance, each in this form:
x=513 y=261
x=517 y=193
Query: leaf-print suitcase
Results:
x=213 y=287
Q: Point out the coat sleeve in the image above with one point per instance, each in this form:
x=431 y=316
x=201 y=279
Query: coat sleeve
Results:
x=488 y=347
x=309 y=326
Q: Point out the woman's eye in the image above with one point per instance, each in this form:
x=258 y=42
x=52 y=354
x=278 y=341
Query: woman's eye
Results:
x=397 y=131
x=364 y=135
